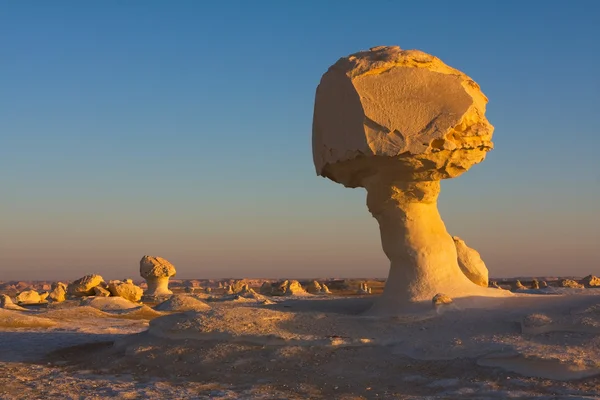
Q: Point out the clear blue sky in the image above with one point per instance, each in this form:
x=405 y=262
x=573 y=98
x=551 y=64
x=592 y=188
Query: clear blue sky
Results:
x=183 y=129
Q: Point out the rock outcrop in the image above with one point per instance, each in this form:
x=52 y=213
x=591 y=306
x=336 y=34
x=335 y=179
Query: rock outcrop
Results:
x=58 y=292
x=101 y=292
x=85 y=286
x=315 y=287
x=591 y=281
x=29 y=297
x=570 y=283
x=156 y=271
x=7 y=304
x=126 y=290
x=287 y=288
x=470 y=263
x=517 y=285
x=396 y=122
x=535 y=284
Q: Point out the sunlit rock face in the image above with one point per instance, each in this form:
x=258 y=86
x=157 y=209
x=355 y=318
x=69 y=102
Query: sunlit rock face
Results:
x=396 y=122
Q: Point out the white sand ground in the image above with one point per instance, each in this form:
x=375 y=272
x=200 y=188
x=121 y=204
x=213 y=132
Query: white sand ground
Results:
x=298 y=348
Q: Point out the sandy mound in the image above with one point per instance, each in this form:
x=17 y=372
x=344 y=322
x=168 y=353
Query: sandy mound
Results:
x=182 y=303
x=109 y=303
x=16 y=319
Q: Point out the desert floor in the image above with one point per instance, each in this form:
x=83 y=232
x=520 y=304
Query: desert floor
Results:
x=538 y=346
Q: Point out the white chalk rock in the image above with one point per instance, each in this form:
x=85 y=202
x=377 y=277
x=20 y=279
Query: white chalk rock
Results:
x=29 y=297
x=125 y=290
x=84 y=286
x=470 y=263
x=156 y=271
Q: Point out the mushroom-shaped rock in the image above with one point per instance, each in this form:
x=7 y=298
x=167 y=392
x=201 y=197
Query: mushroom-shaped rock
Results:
x=470 y=263
x=156 y=271
x=397 y=122
x=29 y=297
x=125 y=290
x=591 y=281
x=85 y=286
x=58 y=292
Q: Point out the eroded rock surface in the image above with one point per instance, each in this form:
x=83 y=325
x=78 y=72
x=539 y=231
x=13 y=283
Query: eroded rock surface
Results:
x=85 y=286
x=157 y=271
x=126 y=290
x=470 y=263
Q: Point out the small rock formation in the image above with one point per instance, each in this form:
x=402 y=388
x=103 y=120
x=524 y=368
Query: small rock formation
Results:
x=239 y=285
x=128 y=281
x=288 y=288
x=470 y=263
x=569 y=283
x=535 y=284
x=182 y=303
x=228 y=289
x=156 y=271
x=84 y=286
x=364 y=288
x=315 y=287
x=518 y=285
x=7 y=304
x=441 y=299
x=101 y=292
x=495 y=285
x=397 y=122
x=58 y=292
x=44 y=296
x=125 y=290
x=208 y=290
x=29 y=297
x=591 y=281
x=543 y=284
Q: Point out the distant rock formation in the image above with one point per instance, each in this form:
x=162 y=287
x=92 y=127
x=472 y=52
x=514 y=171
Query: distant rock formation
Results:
x=315 y=287
x=7 y=304
x=85 y=286
x=157 y=271
x=283 y=288
x=569 y=283
x=364 y=288
x=101 y=292
x=58 y=292
x=518 y=285
x=535 y=284
x=29 y=297
x=543 y=284
x=591 y=281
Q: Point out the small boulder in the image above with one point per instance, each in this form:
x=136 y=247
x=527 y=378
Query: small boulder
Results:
x=441 y=299
x=29 y=297
x=591 y=281
x=84 y=286
x=494 y=284
x=535 y=284
x=288 y=288
x=518 y=285
x=569 y=283
x=543 y=284
x=125 y=290
x=239 y=286
x=58 y=292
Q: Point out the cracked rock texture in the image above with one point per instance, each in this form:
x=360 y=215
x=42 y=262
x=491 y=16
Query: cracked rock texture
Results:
x=405 y=110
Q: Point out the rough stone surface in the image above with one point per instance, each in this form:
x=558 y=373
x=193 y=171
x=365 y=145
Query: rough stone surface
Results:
x=569 y=283
x=101 y=292
x=591 y=281
x=85 y=286
x=125 y=290
x=470 y=263
x=7 y=303
x=29 y=297
x=58 y=292
x=396 y=122
x=156 y=271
